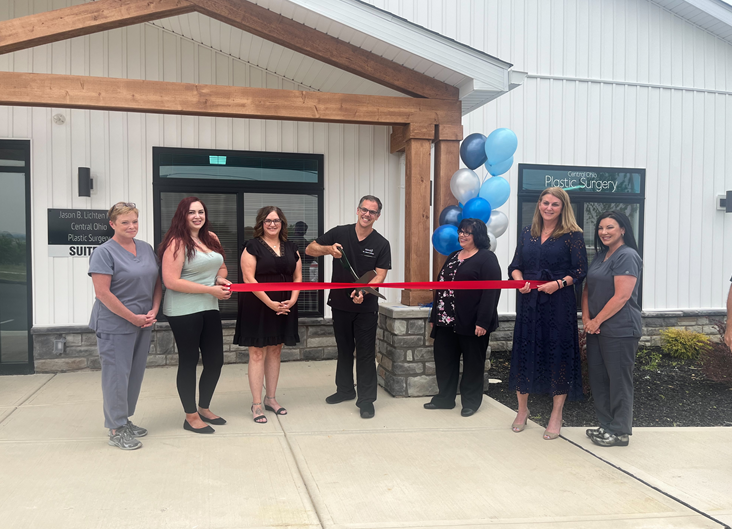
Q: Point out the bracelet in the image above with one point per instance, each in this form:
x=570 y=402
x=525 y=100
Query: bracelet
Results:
x=559 y=285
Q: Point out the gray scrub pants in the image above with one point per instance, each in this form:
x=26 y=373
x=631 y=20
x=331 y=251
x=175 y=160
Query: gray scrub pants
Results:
x=610 y=362
x=123 y=358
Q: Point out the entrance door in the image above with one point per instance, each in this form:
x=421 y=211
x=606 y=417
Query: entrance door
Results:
x=16 y=349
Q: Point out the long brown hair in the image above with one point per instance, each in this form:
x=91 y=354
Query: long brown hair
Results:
x=566 y=224
x=180 y=234
x=259 y=223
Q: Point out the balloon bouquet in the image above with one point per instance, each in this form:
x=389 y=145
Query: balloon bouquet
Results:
x=478 y=200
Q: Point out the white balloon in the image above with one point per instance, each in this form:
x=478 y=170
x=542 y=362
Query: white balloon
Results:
x=498 y=223
x=494 y=242
x=465 y=185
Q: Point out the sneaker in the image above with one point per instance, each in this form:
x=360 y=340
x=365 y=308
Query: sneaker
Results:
x=136 y=431
x=610 y=439
x=123 y=439
x=595 y=432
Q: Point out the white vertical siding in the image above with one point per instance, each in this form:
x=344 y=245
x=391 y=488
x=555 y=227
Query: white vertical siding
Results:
x=621 y=83
x=118 y=146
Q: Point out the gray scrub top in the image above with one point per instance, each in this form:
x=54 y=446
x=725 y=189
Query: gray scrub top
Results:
x=601 y=287
x=133 y=282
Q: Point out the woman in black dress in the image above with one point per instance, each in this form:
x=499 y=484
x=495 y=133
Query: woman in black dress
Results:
x=546 y=355
x=268 y=320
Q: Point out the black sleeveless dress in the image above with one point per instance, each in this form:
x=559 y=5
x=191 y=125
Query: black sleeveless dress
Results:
x=256 y=324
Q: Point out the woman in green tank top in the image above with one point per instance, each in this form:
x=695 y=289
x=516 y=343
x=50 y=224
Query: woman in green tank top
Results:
x=195 y=275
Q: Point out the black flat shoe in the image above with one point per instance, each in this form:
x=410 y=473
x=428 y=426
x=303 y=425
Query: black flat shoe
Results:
x=367 y=411
x=218 y=421
x=258 y=418
x=337 y=398
x=467 y=412
x=205 y=429
x=432 y=406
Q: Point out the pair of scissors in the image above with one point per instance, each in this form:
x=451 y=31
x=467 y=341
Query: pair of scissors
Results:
x=364 y=279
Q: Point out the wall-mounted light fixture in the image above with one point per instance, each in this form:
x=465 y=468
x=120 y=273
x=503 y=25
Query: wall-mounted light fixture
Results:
x=86 y=184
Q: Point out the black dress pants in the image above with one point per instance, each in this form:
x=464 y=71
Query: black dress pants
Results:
x=196 y=332
x=448 y=349
x=356 y=330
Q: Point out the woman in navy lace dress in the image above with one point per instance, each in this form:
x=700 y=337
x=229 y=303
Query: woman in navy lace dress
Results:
x=546 y=355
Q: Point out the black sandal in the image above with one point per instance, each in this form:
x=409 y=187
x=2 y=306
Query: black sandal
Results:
x=258 y=418
x=280 y=411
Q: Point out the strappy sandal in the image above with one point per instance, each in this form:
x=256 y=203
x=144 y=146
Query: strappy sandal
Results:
x=280 y=411
x=258 y=418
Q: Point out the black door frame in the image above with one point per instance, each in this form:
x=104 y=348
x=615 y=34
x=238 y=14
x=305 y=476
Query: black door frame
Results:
x=25 y=145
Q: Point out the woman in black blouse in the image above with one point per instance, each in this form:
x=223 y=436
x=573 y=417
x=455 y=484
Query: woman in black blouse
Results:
x=462 y=320
x=268 y=320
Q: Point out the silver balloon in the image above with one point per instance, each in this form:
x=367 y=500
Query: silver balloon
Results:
x=465 y=185
x=498 y=223
x=494 y=242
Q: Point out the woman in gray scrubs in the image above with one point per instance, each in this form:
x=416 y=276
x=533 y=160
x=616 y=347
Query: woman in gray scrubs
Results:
x=128 y=291
x=612 y=321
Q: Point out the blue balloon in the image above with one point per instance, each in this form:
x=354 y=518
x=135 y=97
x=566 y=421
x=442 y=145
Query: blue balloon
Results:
x=500 y=167
x=445 y=239
x=472 y=151
x=450 y=215
x=496 y=191
x=500 y=145
x=477 y=208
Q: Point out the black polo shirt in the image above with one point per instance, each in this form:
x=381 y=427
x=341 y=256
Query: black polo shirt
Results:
x=369 y=254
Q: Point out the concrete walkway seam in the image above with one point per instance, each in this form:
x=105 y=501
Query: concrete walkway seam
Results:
x=644 y=482
x=39 y=388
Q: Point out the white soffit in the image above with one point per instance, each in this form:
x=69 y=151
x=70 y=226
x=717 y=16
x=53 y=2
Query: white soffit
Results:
x=479 y=76
x=714 y=16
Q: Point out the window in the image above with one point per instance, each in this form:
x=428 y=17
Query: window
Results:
x=592 y=190
x=234 y=185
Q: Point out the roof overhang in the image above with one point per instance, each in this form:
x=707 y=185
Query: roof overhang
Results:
x=714 y=16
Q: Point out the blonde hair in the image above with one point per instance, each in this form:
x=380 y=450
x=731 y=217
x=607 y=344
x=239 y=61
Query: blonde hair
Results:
x=121 y=208
x=567 y=222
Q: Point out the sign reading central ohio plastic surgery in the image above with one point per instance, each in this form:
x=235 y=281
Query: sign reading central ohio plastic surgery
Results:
x=581 y=180
x=76 y=232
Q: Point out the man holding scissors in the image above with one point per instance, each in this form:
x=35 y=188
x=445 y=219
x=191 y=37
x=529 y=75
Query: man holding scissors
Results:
x=364 y=257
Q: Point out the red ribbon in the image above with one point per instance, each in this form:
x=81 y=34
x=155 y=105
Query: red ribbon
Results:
x=418 y=285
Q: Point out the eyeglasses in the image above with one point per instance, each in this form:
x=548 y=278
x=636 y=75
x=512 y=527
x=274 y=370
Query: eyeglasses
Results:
x=272 y=222
x=369 y=211
x=464 y=233
x=120 y=205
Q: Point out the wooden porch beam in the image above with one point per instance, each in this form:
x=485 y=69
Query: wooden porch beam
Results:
x=447 y=161
x=273 y=27
x=417 y=241
x=160 y=97
x=84 y=19
x=401 y=134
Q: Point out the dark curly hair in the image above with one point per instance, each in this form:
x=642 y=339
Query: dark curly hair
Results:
x=259 y=223
x=479 y=230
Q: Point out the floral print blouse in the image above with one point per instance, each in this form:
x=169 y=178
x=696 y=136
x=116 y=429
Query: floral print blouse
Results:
x=446 y=298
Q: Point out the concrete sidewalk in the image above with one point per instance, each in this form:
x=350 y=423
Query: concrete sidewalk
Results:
x=324 y=466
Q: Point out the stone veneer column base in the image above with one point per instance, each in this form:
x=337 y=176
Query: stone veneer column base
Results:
x=404 y=351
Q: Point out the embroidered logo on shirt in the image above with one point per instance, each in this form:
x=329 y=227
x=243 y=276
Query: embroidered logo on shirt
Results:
x=368 y=252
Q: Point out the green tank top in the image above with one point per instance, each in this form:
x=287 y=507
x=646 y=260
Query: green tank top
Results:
x=201 y=269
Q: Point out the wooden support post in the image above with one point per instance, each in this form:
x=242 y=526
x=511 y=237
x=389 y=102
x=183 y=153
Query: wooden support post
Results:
x=447 y=161
x=417 y=231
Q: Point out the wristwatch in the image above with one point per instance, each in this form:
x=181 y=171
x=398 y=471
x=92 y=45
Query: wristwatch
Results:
x=564 y=283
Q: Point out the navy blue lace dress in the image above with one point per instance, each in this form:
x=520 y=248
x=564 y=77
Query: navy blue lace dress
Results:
x=546 y=354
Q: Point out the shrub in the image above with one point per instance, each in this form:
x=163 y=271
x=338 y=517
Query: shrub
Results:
x=682 y=344
x=648 y=359
x=716 y=360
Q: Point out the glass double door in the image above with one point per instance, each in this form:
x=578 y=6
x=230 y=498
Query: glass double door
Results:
x=16 y=353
